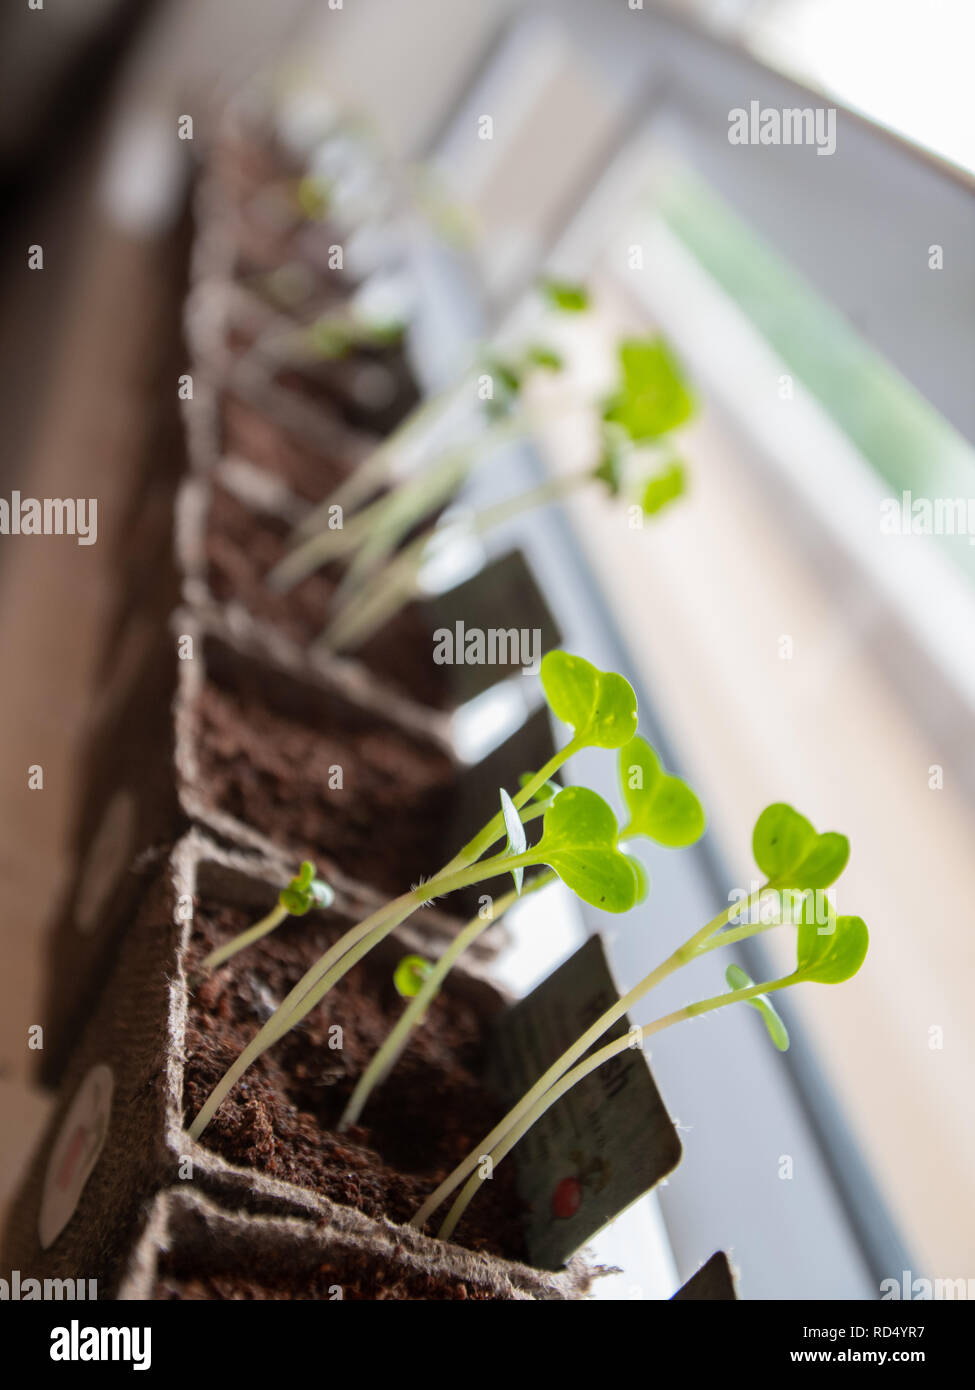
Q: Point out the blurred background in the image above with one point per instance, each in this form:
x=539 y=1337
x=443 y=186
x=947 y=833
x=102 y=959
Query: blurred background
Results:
x=785 y=647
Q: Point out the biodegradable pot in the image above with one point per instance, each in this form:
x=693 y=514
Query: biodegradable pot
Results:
x=148 y=585
x=193 y=1249
x=370 y=386
x=232 y=528
x=260 y=229
x=274 y=430
x=142 y=784
x=325 y=763
x=243 y=343
x=250 y=191
x=246 y=155
x=126 y=814
x=159 y=1038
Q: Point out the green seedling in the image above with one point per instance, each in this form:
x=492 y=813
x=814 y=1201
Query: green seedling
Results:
x=378 y=585
x=578 y=841
x=410 y=974
x=661 y=807
x=383 y=571
x=304 y=892
x=796 y=861
x=373 y=527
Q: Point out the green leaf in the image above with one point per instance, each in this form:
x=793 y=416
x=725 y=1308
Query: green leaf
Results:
x=410 y=975
x=653 y=396
x=538 y=355
x=831 y=953
x=663 y=488
x=781 y=840
x=305 y=891
x=517 y=840
x=740 y=979
x=609 y=470
x=579 y=841
x=662 y=807
x=789 y=851
x=824 y=863
x=564 y=295
x=545 y=792
x=600 y=705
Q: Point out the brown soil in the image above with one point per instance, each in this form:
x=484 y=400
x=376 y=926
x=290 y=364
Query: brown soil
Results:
x=241 y=550
x=310 y=473
x=279 y=1119
x=385 y=825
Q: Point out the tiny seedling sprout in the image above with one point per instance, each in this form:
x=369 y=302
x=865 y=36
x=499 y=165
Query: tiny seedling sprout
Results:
x=409 y=975
x=650 y=401
x=304 y=892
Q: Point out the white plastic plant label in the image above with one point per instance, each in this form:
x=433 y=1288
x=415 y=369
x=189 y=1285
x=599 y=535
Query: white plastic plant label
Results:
x=75 y=1153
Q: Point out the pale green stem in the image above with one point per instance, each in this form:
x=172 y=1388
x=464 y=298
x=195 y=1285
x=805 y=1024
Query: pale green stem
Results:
x=245 y=938
x=494 y=830
x=730 y=938
x=398 y=910
x=379 y=925
x=372 y=472
x=414 y=1013
x=369 y=611
x=578 y=1073
x=319 y=979
x=393 y=914
x=393 y=514
x=398 y=583
x=572 y=1054
x=552 y=490
x=417 y=498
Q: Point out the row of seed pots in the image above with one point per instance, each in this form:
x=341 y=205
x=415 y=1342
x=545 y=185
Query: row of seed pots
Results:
x=226 y=748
